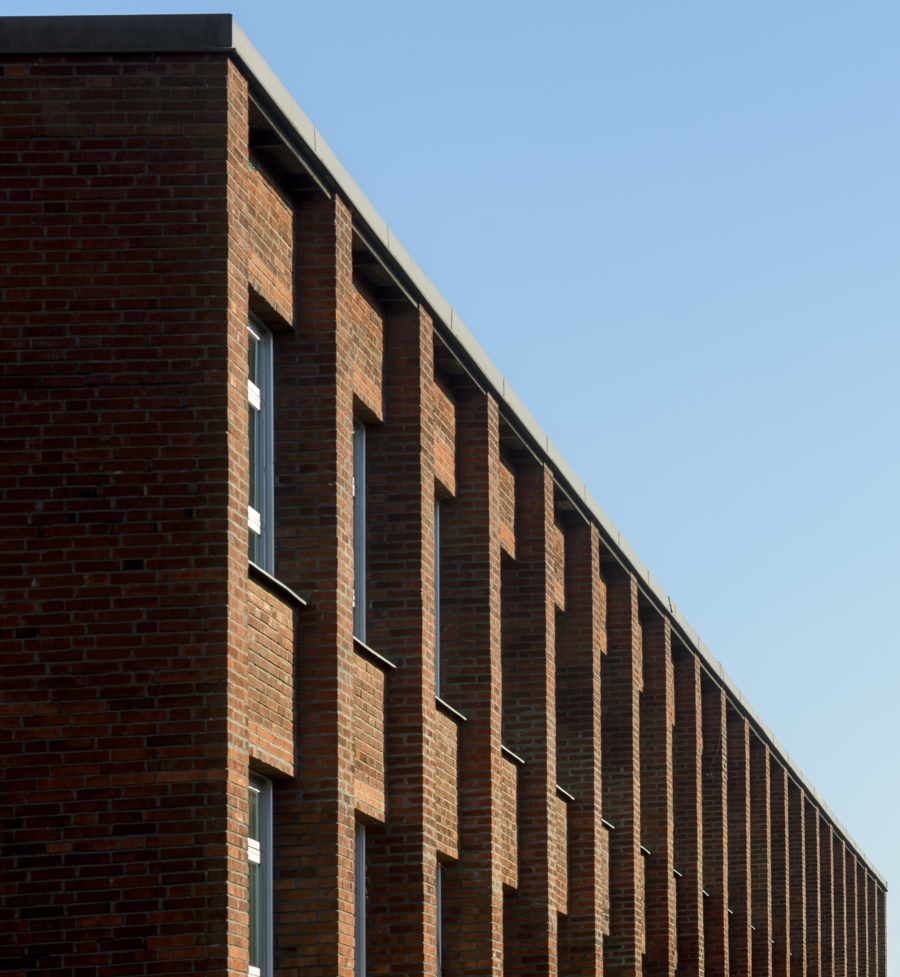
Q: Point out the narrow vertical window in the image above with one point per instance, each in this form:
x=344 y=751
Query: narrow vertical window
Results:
x=437 y=599
x=360 y=901
x=359 y=530
x=259 y=870
x=261 y=538
x=439 y=916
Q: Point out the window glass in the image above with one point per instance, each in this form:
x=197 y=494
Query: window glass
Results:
x=259 y=877
x=437 y=598
x=254 y=867
x=359 y=530
x=360 y=902
x=439 y=913
x=260 y=446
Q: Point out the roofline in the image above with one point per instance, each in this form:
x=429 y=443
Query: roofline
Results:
x=146 y=33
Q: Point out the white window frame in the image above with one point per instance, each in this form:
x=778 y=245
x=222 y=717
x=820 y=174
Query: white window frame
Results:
x=260 y=852
x=260 y=521
x=359 y=907
x=359 y=530
x=437 y=597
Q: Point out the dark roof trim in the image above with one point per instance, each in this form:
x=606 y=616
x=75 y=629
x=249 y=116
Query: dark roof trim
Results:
x=118 y=33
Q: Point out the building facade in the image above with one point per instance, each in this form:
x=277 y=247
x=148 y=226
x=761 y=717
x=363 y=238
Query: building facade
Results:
x=317 y=658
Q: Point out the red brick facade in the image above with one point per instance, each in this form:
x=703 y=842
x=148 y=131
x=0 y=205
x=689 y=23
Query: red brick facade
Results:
x=596 y=797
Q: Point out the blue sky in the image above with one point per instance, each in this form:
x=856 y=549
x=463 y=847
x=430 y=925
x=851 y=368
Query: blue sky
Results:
x=676 y=230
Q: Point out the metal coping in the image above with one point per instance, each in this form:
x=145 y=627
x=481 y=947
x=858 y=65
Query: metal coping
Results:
x=158 y=33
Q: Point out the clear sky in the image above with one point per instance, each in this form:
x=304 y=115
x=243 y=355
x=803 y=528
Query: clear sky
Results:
x=675 y=228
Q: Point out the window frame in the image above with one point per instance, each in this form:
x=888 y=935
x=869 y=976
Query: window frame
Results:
x=359 y=530
x=265 y=886
x=359 y=901
x=437 y=597
x=261 y=434
x=439 y=916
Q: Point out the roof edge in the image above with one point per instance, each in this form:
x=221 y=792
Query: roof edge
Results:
x=126 y=33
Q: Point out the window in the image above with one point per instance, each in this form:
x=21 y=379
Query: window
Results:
x=359 y=530
x=261 y=538
x=259 y=866
x=360 y=901
x=438 y=916
x=437 y=598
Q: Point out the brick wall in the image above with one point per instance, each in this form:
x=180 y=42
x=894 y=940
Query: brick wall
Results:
x=270 y=679
x=145 y=674
x=269 y=215
x=114 y=243
x=444 y=437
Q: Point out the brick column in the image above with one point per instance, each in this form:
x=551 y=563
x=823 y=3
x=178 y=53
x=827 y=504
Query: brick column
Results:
x=314 y=431
x=529 y=729
x=839 y=874
x=781 y=896
x=882 y=932
x=797 y=863
x=621 y=777
x=657 y=795
x=813 y=893
x=580 y=644
x=872 y=906
x=862 y=923
x=826 y=899
x=400 y=624
x=471 y=679
x=740 y=948
x=715 y=829
x=761 y=857
x=852 y=915
x=688 y=835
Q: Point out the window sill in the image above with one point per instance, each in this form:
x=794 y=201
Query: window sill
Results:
x=514 y=757
x=449 y=710
x=264 y=577
x=372 y=654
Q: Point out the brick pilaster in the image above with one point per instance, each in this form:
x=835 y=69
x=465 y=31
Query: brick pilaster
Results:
x=621 y=777
x=314 y=452
x=715 y=829
x=882 y=932
x=852 y=915
x=781 y=873
x=471 y=681
x=872 y=908
x=580 y=645
x=862 y=925
x=826 y=888
x=761 y=857
x=400 y=624
x=529 y=711
x=657 y=795
x=813 y=893
x=839 y=874
x=797 y=864
x=688 y=801
x=740 y=892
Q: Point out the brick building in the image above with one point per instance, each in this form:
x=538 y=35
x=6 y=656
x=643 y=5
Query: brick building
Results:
x=317 y=658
